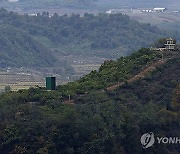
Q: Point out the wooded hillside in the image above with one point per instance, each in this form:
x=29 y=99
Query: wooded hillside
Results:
x=99 y=121
x=31 y=40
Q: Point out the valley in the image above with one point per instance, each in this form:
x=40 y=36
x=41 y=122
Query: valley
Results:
x=68 y=47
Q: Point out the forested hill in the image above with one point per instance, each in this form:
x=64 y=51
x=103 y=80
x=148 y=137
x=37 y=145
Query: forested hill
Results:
x=31 y=39
x=99 y=121
x=17 y=48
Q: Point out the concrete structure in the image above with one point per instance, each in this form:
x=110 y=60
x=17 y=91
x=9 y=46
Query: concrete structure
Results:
x=33 y=14
x=159 y=9
x=147 y=11
x=13 y=0
x=113 y=11
x=170 y=44
x=50 y=83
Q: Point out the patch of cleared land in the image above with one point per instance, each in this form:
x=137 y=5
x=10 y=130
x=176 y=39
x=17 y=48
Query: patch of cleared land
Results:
x=23 y=80
x=156 y=18
x=166 y=20
x=19 y=81
x=85 y=69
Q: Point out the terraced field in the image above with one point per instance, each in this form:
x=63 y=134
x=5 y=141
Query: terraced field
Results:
x=85 y=68
x=20 y=80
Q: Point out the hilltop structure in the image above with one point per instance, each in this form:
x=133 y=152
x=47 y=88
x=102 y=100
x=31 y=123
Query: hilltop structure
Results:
x=166 y=44
x=170 y=44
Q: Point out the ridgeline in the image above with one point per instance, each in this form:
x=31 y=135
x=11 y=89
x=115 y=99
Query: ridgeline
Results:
x=27 y=42
x=101 y=121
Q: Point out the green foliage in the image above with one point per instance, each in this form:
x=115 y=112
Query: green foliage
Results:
x=19 y=49
x=99 y=121
x=30 y=42
x=111 y=72
x=37 y=121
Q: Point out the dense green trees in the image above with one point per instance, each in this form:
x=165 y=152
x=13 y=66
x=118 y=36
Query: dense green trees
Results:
x=19 y=49
x=31 y=42
x=112 y=72
x=38 y=121
x=100 y=121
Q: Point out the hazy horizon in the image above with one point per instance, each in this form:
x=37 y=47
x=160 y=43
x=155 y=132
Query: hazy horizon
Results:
x=141 y=3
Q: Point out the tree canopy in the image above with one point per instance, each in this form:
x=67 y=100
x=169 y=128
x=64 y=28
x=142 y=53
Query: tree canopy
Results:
x=38 y=121
x=33 y=43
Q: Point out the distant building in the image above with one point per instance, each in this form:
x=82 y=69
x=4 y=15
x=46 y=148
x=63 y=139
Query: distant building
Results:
x=113 y=11
x=159 y=9
x=33 y=14
x=147 y=10
x=175 y=11
x=13 y=0
x=170 y=44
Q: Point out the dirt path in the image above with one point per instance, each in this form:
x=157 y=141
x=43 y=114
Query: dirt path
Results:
x=69 y=102
x=140 y=75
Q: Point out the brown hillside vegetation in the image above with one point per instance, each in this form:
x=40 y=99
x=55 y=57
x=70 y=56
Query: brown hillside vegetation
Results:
x=140 y=75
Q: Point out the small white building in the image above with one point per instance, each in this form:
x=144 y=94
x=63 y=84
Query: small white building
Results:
x=13 y=0
x=147 y=11
x=113 y=11
x=33 y=14
x=159 y=9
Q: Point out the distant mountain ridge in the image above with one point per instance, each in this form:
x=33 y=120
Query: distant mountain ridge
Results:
x=35 y=41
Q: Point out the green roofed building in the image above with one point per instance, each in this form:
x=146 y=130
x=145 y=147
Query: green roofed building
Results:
x=50 y=83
